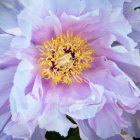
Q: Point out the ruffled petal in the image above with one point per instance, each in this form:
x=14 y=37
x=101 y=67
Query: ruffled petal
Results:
x=127 y=61
x=5 y=43
x=46 y=29
x=23 y=72
x=20 y=130
x=135 y=35
x=118 y=3
x=53 y=120
x=19 y=42
x=86 y=133
x=24 y=116
x=4 y=117
x=79 y=108
x=8 y=12
x=110 y=116
x=106 y=73
x=134 y=129
x=6 y=75
x=3 y=136
x=131 y=14
x=39 y=134
x=43 y=7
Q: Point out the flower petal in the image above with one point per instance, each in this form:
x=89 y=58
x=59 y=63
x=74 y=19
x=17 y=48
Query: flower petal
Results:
x=83 y=108
x=5 y=117
x=39 y=134
x=134 y=129
x=53 y=120
x=131 y=14
x=86 y=133
x=110 y=116
x=8 y=12
x=3 y=136
x=23 y=72
x=46 y=29
x=4 y=43
x=20 y=130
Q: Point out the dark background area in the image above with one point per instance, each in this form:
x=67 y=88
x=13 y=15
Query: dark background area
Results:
x=73 y=134
x=136 y=138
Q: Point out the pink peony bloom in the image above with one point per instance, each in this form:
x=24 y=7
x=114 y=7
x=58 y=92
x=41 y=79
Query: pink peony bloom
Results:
x=68 y=57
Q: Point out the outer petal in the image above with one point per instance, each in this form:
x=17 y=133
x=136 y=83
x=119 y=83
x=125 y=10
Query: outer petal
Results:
x=121 y=85
x=118 y=3
x=83 y=108
x=104 y=69
x=46 y=29
x=43 y=7
x=6 y=75
x=3 y=136
x=110 y=117
x=19 y=130
x=17 y=105
x=134 y=129
x=4 y=117
x=133 y=15
x=135 y=35
x=6 y=83
x=26 y=115
x=5 y=42
x=8 y=12
x=128 y=61
x=23 y=72
x=53 y=120
x=39 y=134
x=87 y=133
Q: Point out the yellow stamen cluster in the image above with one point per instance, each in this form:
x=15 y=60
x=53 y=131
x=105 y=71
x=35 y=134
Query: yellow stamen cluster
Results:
x=63 y=59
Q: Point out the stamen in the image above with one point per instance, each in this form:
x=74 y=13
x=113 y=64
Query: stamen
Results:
x=63 y=59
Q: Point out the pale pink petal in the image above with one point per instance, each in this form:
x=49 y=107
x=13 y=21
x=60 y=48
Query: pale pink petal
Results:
x=39 y=134
x=131 y=14
x=53 y=120
x=86 y=133
x=20 y=130
x=110 y=119
x=83 y=108
x=23 y=72
x=5 y=43
x=3 y=136
x=46 y=29
x=133 y=130
x=8 y=12
x=4 y=119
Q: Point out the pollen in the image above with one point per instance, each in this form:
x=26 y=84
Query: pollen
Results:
x=65 y=58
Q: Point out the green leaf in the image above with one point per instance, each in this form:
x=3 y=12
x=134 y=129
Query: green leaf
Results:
x=137 y=8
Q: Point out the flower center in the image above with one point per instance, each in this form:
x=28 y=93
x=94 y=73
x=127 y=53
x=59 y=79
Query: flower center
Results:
x=64 y=58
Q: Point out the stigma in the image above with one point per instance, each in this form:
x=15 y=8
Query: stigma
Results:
x=65 y=58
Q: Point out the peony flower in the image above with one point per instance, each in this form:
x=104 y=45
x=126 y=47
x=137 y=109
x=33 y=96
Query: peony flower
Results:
x=68 y=57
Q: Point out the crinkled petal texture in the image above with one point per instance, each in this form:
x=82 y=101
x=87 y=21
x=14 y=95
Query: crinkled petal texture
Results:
x=131 y=12
x=102 y=105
